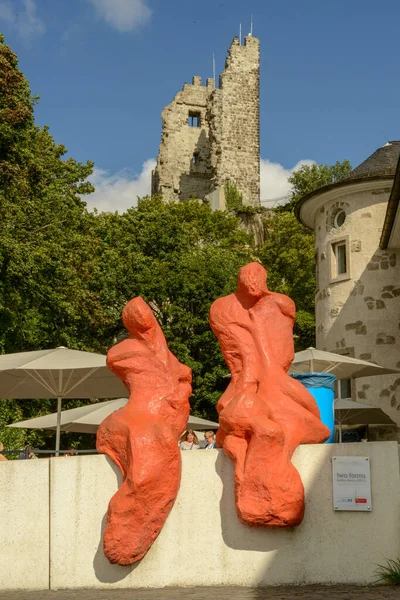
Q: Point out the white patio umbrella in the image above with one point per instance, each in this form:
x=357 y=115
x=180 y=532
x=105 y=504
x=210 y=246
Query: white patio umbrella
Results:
x=59 y=373
x=344 y=367
x=348 y=412
x=86 y=419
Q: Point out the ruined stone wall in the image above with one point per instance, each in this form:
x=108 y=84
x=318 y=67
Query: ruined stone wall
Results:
x=234 y=117
x=225 y=146
x=359 y=314
x=183 y=166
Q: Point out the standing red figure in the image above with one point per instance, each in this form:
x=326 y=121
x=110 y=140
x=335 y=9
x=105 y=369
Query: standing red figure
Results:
x=142 y=437
x=264 y=414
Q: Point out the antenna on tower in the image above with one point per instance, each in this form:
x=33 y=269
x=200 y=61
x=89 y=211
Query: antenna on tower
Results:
x=240 y=34
x=251 y=25
x=214 y=66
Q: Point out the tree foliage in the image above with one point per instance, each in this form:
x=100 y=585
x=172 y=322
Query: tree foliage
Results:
x=45 y=246
x=179 y=257
x=288 y=252
x=310 y=177
x=288 y=255
x=46 y=249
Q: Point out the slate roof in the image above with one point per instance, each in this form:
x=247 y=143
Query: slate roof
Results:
x=382 y=162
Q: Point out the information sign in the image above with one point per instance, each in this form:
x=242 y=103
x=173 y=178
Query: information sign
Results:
x=351 y=483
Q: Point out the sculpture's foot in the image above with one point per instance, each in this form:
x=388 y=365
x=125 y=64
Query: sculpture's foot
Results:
x=133 y=525
x=271 y=498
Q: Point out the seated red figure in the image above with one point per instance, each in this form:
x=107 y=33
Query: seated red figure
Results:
x=264 y=414
x=142 y=437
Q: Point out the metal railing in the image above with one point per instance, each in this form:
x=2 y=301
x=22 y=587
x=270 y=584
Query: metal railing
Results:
x=23 y=453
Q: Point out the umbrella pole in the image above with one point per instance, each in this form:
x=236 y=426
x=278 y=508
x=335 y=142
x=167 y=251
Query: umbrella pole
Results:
x=340 y=432
x=59 y=400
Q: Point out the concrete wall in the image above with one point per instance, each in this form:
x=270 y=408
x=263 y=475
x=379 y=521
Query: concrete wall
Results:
x=202 y=543
x=24 y=525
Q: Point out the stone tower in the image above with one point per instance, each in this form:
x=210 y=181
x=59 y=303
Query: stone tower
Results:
x=211 y=135
x=357 y=301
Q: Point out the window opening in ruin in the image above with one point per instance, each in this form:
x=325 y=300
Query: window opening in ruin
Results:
x=195 y=158
x=339 y=218
x=339 y=251
x=194 y=119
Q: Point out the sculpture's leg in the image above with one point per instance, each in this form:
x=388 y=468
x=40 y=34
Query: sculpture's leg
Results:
x=150 y=461
x=271 y=491
x=268 y=489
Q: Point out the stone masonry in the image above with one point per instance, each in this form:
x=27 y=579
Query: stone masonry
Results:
x=211 y=135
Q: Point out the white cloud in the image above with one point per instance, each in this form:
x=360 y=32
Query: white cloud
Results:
x=22 y=18
x=123 y=15
x=274 y=180
x=119 y=192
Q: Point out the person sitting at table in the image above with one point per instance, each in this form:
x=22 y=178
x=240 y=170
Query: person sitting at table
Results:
x=210 y=440
x=71 y=452
x=189 y=441
x=27 y=453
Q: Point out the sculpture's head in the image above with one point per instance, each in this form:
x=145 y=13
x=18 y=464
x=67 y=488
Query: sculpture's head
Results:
x=252 y=280
x=143 y=360
x=137 y=316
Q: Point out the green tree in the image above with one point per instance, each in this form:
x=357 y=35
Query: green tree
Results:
x=47 y=246
x=288 y=252
x=179 y=257
x=288 y=255
x=310 y=177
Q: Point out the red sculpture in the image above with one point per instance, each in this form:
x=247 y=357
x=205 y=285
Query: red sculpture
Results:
x=264 y=414
x=142 y=437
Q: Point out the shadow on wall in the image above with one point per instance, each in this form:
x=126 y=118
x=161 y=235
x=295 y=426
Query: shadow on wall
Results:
x=285 y=550
x=104 y=570
x=197 y=182
x=243 y=537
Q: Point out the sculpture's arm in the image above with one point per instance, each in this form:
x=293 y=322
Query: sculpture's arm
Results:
x=285 y=304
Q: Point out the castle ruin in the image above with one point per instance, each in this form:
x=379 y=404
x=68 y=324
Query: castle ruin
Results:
x=211 y=135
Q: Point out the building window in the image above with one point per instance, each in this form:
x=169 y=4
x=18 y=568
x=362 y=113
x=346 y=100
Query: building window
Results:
x=340 y=259
x=195 y=158
x=339 y=218
x=194 y=119
x=343 y=389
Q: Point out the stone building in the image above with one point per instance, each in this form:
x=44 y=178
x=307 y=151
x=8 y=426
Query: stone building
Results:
x=358 y=275
x=211 y=135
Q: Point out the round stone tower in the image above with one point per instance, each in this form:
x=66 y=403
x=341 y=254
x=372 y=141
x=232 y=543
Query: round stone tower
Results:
x=357 y=300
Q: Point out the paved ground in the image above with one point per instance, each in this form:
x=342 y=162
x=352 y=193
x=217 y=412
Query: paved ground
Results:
x=316 y=592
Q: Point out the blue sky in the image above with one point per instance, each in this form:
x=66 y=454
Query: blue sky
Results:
x=104 y=69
